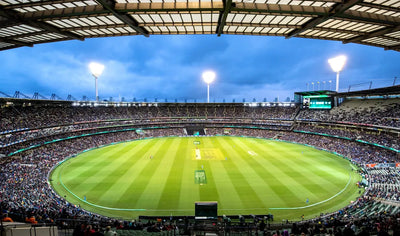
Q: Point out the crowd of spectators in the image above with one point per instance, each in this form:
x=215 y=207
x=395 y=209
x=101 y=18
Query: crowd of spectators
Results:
x=384 y=183
x=358 y=152
x=376 y=112
x=26 y=195
x=24 y=191
x=14 y=118
x=19 y=124
x=381 y=137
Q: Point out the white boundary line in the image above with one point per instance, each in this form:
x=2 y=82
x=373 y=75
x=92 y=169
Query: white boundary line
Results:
x=337 y=194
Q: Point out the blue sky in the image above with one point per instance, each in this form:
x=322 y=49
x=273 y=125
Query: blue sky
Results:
x=171 y=66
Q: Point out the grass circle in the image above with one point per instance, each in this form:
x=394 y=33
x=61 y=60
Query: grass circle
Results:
x=165 y=176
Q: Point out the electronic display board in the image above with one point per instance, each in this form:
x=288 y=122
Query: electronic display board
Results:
x=317 y=102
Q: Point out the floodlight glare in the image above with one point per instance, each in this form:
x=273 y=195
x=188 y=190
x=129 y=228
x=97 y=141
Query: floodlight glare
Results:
x=337 y=64
x=208 y=77
x=96 y=69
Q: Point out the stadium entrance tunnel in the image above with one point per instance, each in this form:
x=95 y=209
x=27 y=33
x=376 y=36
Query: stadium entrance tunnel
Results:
x=195 y=130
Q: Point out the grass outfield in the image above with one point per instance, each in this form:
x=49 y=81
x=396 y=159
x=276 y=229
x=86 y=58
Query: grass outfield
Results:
x=165 y=176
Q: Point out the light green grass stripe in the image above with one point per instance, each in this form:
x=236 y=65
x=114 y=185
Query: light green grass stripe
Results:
x=234 y=171
x=163 y=163
x=318 y=203
x=266 y=166
x=133 y=190
x=298 y=175
x=94 y=205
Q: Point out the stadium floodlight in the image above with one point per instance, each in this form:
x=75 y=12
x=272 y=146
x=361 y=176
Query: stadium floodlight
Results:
x=96 y=69
x=313 y=86
x=330 y=84
x=324 y=84
x=337 y=64
x=208 y=77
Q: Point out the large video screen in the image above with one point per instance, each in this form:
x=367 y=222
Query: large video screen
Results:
x=318 y=102
x=206 y=210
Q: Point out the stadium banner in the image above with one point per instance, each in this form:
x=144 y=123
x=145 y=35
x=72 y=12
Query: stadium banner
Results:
x=382 y=165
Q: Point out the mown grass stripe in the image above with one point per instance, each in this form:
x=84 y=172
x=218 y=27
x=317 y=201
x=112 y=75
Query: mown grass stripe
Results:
x=189 y=192
x=171 y=191
x=243 y=186
x=277 y=179
x=255 y=173
x=306 y=181
x=319 y=164
x=95 y=205
x=317 y=203
x=258 y=172
x=208 y=192
x=78 y=180
x=122 y=173
x=131 y=192
x=225 y=187
x=151 y=196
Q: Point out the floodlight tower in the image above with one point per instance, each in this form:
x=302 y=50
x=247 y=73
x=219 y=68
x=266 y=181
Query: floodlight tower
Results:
x=96 y=69
x=337 y=64
x=208 y=77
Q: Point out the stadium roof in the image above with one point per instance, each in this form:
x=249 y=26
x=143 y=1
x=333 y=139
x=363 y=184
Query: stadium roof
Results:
x=386 y=91
x=369 y=22
x=315 y=93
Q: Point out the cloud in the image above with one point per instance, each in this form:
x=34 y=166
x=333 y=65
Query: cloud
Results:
x=171 y=66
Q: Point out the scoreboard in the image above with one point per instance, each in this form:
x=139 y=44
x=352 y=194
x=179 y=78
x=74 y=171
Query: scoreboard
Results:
x=317 y=102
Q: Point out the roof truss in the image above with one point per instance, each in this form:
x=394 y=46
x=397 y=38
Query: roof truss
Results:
x=357 y=21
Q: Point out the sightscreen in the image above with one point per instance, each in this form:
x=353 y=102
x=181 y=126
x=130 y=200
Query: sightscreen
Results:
x=206 y=210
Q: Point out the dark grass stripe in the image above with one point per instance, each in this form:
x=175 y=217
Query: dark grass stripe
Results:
x=189 y=192
x=324 y=166
x=228 y=196
x=73 y=180
x=150 y=198
x=249 y=199
x=113 y=179
x=208 y=192
x=298 y=175
x=108 y=176
x=273 y=179
x=134 y=190
x=259 y=173
x=171 y=191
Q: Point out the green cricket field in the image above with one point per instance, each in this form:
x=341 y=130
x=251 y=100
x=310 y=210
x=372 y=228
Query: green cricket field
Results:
x=166 y=176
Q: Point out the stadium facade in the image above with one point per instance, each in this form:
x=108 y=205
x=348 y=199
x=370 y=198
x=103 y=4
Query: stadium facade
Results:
x=362 y=126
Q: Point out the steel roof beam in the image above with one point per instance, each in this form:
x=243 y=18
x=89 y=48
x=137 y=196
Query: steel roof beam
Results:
x=39 y=3
x=16 y=42
x=124 y=17
x=14 y=16
x=223 y=15
x=240 y=7
x=376 y=33
x=396 y=48
x=381 y=7
x=336 y=10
